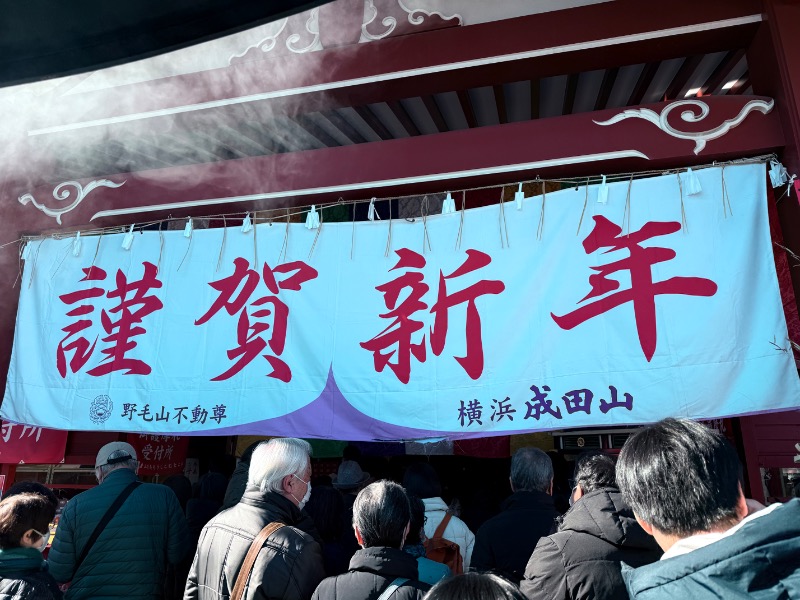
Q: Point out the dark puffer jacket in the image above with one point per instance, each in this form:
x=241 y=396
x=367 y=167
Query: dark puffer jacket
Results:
x=288 y=566
x=24 y=576
x=129 y=558
x=372 y=570
x=760 y=560
x=504 y=543
x=583 y=560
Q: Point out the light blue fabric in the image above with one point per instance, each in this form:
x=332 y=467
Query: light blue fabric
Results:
x=431 y=571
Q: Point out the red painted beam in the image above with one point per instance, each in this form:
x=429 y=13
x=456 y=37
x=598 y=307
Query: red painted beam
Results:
x=576 y=146
x=578 y=39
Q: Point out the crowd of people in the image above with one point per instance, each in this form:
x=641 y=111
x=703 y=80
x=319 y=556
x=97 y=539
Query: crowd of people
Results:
x=668 y=519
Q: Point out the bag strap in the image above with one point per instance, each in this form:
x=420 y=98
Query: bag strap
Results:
x=442 y=526
x=387 y=593
x=112 y=510
x=250 y=559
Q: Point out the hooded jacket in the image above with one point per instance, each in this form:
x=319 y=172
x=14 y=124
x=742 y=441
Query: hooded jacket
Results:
x=24 y=576
x=456 y=530
x=505 y=542
x=372 y=570
x=289 y=565
x=583 y=559
x=129 y=558
x=760 y=560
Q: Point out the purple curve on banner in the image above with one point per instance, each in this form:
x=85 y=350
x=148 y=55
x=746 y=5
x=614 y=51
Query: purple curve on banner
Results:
x=331 y=416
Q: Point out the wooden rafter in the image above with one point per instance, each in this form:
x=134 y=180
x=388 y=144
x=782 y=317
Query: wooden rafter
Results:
x=569 y=94
x=500 y=101
x=316 y=131
x=609 y=77
x=402 y=115
x=723 y=70
x=365 y=112
x=436 y=114
x=682 y=77
x=741 y=85
x=342 y=125
x=536 y=97
x=466 y=106
x=644 y=81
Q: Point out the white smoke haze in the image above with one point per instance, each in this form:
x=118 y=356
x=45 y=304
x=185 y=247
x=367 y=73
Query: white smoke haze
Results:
x=49 y=137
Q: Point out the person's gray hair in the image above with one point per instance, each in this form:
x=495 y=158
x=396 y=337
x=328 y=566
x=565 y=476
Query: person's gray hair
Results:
x=131 y=463
x=274 y=460
x=381 y=514
x=531 y=470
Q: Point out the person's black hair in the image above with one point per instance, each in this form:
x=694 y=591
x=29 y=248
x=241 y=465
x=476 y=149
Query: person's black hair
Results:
x=381 y=514
x=595 y=470
x=326 y=508
x=531 y=470
x=213 y=486
x=182 y=486
x=680 y=477
x=475 y=586
x=22 y=512
x=351 y=452
x=421 y=480
x=32 y=487
x=417 y=521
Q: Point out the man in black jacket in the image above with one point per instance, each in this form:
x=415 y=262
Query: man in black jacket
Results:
x=582 y=560
x=289 y=565
x=381 y=519
x=504 y=543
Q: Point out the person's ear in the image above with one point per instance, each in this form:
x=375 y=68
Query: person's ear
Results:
x=405 y=534
x=511 y=484
x=286 y=484
x=578 y=493
x=648 y=529
x=359 y=538
x=742 y=510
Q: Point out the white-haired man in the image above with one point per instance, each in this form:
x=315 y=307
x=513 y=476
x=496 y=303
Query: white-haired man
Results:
x=132 y=547
x=289 y=563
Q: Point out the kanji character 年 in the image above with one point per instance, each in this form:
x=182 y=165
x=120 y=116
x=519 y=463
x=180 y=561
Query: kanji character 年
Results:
x=249 y=335
x=643 y=290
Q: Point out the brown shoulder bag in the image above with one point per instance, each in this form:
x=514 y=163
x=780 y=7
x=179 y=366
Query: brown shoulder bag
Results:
x=250 y=559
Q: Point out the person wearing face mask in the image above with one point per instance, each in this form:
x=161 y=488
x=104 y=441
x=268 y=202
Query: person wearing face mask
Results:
x=24 y=533
x=381 y=521
x=115 y=540
x=599 y=531
x=269 y=521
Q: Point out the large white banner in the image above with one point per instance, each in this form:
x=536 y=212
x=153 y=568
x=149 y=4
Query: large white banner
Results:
x=570 y=312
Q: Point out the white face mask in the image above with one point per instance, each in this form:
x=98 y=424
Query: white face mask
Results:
x=302 y=503
x=43 y=544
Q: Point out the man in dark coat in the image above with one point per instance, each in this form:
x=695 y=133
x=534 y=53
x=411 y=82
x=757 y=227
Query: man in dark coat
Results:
x=289 y=564
x=583 y=560
x=129 y=558
x=682 y=481
x=504 y=543
x=381 y=519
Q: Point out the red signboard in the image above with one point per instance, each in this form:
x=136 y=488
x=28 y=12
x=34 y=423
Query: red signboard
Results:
x=21 y=444
x=159 y=454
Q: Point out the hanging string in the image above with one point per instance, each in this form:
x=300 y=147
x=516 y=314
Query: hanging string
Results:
x=502 y=218
x=389 y=237
x=35 y=260
x=160 y=248
x=224 y=237
x=540 y=230
x=285 y=247
x=21 y=249
x=461 y=223
x=684 y=224
x=726 y=199
x=583 y=212
x=627 y=214
x=255 y=239
x=353 y=237
x=425 y=237
x=316 y=237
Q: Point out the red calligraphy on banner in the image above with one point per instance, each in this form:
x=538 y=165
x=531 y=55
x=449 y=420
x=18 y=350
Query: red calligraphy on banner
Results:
x=130 y=312
x=80 y=347
x=28 y=444
x=121 y=323
x=161 y=455
x=643 y=290
x=249 y=337
x=395 y=341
